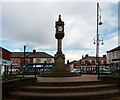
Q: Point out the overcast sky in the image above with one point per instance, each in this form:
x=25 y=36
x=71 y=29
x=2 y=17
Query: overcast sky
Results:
x=34 y=23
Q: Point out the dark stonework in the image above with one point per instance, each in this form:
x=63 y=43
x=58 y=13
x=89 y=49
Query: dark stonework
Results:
x=59 y=69
x=59 y=56
x=59 y=62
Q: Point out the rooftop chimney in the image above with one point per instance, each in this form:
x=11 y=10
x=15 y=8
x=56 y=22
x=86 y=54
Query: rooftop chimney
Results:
x=34 y=51
x=104 y=56
x=82 y=56
x=86 y=55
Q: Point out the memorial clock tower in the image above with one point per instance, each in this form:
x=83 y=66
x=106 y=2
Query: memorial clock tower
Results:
x=59 y=56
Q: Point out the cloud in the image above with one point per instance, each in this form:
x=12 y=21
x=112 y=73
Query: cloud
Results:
x=34 y=23
x=59 y=1
x=24 y=23
x=110 y=42
x=16 y=50
x=28 y=22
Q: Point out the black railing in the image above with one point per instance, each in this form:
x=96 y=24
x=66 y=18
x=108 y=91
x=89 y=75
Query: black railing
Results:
x=12 y=76
x=24 y=71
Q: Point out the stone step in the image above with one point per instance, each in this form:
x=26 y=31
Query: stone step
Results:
x=65 y=89
x=11 y=99
x=93 y=95
x=59 y=74
x=64 y=83
x=71 y=88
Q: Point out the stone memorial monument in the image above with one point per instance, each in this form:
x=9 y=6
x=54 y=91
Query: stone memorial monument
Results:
x=59 y=69
x=59 y=56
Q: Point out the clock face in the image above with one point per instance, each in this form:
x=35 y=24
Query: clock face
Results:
x=60 y=28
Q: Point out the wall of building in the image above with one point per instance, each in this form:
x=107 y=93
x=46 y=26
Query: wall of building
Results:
x=20 y=61
x=109 y=59
x=113 y=55
x=5 y=60
x=6 y=54
x=42 y=60
x=90 y=62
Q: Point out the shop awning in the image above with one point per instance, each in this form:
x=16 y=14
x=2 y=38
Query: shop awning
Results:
x=5 y=62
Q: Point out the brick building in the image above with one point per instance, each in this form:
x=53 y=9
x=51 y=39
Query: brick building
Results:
x=87 y=63
x=16 y=60
x=113 y=58
x=31 y=59
x=91 y=60
x=5 y=54
x=5 y=62
x=113 y=55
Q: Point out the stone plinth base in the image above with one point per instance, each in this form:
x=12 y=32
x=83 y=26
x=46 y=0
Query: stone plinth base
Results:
x=59 y=63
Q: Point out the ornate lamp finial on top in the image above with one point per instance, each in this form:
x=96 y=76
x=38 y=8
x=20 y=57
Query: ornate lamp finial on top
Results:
x=59 y=18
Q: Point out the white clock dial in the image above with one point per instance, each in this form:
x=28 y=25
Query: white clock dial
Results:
x=60 y=28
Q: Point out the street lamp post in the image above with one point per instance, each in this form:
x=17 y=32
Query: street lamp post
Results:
x=25 y=55
x=98 y=38
x=26 y=61
x=11 y=69
x=35 y=69
x=44 y=66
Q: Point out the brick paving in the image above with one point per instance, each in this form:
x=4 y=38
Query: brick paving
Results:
x=69 y=79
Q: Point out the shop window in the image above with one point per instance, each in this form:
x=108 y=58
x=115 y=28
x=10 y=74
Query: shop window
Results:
x=49 y=60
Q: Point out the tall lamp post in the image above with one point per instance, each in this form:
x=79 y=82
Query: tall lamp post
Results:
x=35 y=69
x=24 y=55
x=98 y=40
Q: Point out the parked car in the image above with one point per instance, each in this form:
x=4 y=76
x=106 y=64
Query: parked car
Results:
x=14 y=71
x=75 y=71
x=105 y=71
x=44 y=70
